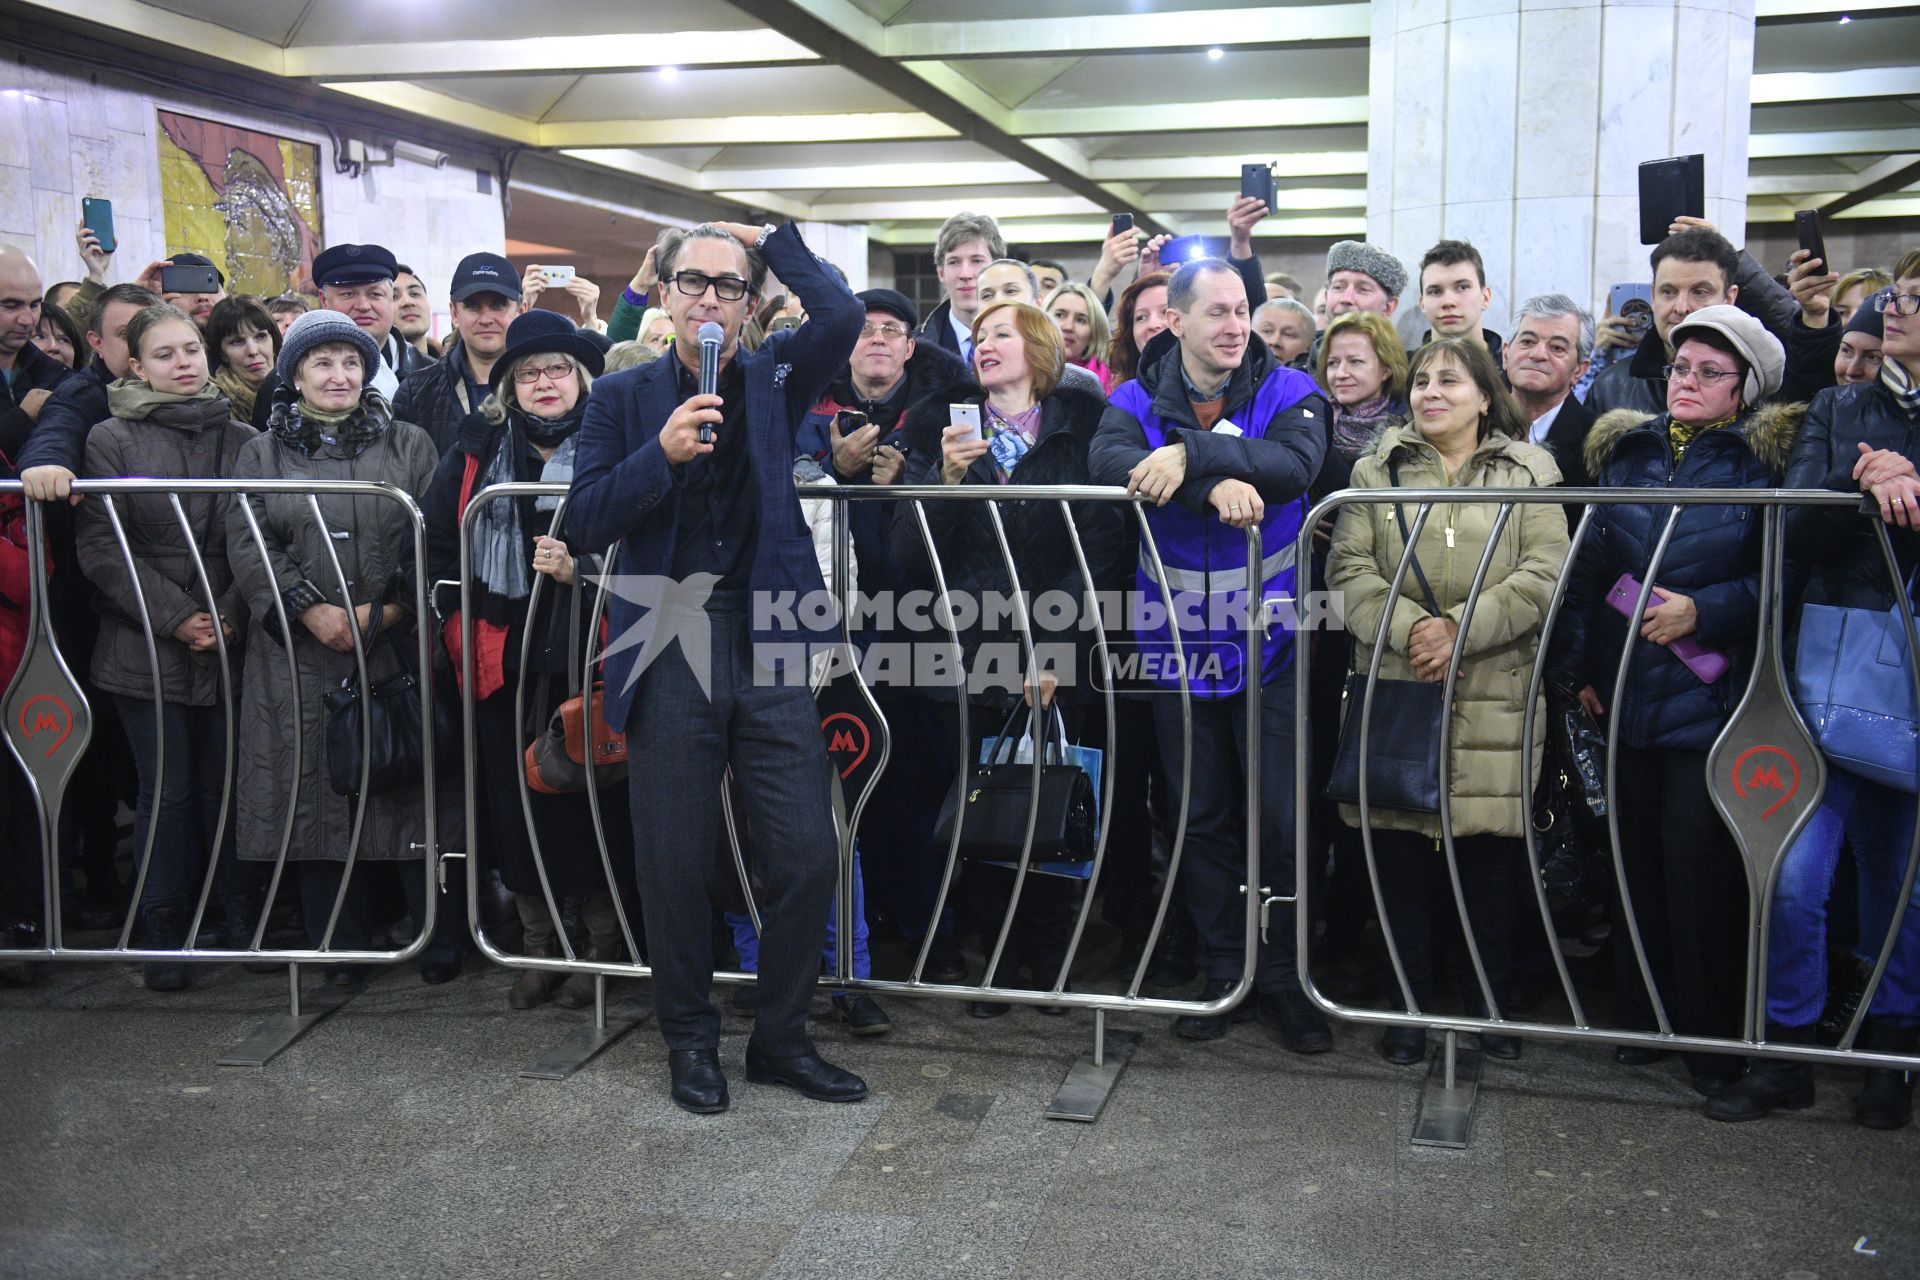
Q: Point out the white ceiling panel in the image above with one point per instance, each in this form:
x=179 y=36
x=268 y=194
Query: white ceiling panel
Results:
x=268 y=20
x=1891 y=40
x=526 y=96
x=343 y=21
x=650 y=95
x=1014 y=80
x=1129 y=79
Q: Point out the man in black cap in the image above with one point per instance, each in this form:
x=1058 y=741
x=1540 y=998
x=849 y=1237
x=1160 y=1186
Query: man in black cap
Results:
x=485 y=298
x=357 y=281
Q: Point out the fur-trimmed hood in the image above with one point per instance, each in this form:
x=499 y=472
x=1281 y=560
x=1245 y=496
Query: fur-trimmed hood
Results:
x=1769 y=431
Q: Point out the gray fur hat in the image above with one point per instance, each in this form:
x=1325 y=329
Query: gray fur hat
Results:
x=317 y=329
x=1355 y=255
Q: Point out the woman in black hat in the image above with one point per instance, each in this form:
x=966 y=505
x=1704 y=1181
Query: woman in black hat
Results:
x=525 y=430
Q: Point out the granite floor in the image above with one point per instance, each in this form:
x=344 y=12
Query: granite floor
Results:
x=397 y=1140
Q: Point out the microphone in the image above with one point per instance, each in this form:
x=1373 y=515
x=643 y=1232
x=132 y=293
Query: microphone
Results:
x=711 y=336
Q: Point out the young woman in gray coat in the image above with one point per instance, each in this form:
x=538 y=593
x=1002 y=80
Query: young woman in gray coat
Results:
x=324 y=425
x=169 y=421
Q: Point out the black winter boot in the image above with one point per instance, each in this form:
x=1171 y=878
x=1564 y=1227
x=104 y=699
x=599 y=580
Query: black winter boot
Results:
x=167 y=931
x=1768 y=1083
x=1887 y=1101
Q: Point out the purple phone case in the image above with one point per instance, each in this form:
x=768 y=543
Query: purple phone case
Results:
x=1708 y=664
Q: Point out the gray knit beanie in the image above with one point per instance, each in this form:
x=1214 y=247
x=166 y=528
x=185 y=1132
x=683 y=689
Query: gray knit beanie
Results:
x=1354 y=255
x=317 y=329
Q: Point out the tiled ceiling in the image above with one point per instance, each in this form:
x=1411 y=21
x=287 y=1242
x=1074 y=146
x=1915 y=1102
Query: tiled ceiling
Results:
x=889 y=112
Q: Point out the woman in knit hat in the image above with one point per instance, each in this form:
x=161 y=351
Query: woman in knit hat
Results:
x=325 y=424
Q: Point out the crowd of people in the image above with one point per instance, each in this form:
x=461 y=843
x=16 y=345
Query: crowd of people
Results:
x=1221 y=396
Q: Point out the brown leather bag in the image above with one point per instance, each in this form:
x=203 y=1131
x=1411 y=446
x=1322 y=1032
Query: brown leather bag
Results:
x=557 y=757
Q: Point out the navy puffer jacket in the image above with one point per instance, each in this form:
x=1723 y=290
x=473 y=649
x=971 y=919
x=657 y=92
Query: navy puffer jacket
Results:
x=1713 y=557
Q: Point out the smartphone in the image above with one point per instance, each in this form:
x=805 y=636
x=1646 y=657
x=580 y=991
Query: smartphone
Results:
x=189 y=279
x=850 y=421
x=1633 y=303
x=1256 y=180
x=1181 y=249
x=98 y=216
x=783 y=322
x=968 y=416
x=1121 y=222
x=557 y=275
x=1806 y=225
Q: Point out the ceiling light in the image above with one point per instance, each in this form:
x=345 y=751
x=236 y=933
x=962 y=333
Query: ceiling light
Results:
x=1845 y=18
x=1216 y=53
x=669 y=73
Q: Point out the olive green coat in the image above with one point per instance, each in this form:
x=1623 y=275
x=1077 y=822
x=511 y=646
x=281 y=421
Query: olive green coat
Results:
x=1503 y=636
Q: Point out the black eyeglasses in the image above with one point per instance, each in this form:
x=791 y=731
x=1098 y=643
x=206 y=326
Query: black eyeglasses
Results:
x=1897 y=304
x=695 y=283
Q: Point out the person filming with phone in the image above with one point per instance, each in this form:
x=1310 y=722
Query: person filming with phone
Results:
x=695 y=484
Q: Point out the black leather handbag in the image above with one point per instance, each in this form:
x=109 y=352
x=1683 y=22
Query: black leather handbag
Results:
x=393 y=710
x=1403 y=742
x=991 y=807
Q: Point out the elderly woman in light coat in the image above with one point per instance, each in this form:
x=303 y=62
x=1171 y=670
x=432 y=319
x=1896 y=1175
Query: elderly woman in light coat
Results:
x=1466 y=433
x=326 y=425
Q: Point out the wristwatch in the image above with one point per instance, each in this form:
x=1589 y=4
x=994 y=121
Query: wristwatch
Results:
x=765 y=231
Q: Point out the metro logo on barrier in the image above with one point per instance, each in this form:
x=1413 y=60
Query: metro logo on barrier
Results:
x=847 y=740
x=1764 y=776
x=53 y=716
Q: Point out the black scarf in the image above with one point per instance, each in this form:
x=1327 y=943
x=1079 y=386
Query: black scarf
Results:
x=546 y=433
x=364 y=424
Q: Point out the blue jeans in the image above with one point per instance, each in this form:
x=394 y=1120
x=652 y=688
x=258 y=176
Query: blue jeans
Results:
x=1877 y=822
x=182 y=799
x=746 y=940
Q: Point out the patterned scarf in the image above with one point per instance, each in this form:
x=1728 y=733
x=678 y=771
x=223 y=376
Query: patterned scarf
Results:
x=1012 y=436
x=1356 y=429
x=1680 y=435
x=299 y=426
x=1900 y=385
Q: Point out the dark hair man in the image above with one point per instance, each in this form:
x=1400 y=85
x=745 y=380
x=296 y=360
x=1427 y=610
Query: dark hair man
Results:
x=483 y=301
x=58 y=441
x=706 y=528
x=1693 y=267
x=413 y=312
x=1050 y=275
x=967 y=243
x=1454 y=294
x=1222 y=439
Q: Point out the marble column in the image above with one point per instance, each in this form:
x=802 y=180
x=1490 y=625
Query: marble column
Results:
x=1520 y=125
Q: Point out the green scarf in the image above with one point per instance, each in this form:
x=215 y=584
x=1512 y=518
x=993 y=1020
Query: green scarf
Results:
x=134 y=400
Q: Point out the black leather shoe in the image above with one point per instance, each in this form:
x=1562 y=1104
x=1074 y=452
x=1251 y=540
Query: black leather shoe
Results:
x=862 y=1014
x=1787 y=1086
x=808 y=1073
x=1494 y=1045
x=1301 y=1026
x=944 y=961
x=988 y=1009
x=699 y=1085
x=438 y=972
x=1403 y=1046
x=1640 y=1055
x=1193 y=1026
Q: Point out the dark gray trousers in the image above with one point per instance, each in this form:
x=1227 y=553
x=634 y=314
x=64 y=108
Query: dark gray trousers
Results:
x=680 y=742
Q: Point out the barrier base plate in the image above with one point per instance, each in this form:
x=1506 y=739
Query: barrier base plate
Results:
x=277 y=1033
x=1086 y=1089
x=1446 y=1114
x=580 y=1046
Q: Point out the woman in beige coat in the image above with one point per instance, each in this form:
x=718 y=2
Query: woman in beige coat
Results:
x=1466 y=433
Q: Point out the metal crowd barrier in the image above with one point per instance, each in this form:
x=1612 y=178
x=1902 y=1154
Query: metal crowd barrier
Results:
x=45 y=696
x=1765 y=720
x=1092 y=1077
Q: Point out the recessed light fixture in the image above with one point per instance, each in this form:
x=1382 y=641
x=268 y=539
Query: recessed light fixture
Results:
x=1845 y=18
x=669 y=73
x=1216 y=53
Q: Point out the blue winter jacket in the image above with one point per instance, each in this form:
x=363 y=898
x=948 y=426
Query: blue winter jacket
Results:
x=1713 y=557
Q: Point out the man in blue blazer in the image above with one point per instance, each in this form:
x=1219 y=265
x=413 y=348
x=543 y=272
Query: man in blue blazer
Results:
x=713 y=552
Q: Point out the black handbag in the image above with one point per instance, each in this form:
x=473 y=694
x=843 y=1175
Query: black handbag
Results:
x=1403 y=758
x=991 y=807
x=393 y=710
